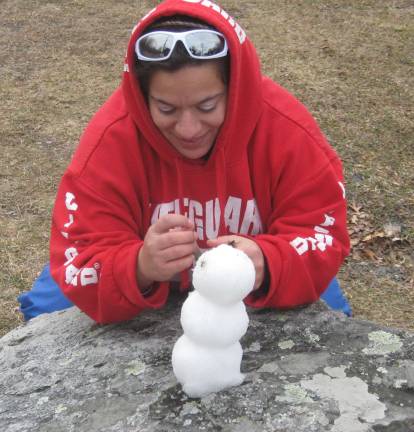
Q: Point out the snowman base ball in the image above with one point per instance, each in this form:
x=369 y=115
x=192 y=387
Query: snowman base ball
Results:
x=207 y=357
x=203 y=370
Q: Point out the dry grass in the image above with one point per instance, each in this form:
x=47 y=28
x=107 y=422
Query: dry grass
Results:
x=349 y=62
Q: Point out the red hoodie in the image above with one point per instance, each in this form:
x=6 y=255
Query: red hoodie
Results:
x=271 y=176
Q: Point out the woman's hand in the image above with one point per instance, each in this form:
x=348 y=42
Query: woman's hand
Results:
x=250 y=248
x=169 y=247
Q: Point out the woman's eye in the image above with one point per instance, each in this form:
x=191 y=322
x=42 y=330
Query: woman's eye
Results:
x=166 y=109
x=207 y=107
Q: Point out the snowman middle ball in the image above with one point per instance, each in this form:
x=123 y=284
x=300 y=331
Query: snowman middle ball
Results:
x=211 y=324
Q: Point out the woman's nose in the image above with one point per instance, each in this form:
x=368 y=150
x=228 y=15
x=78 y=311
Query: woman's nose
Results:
x=188 y=126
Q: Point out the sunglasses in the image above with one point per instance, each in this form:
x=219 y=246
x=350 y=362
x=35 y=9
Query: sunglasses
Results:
x=200 y=44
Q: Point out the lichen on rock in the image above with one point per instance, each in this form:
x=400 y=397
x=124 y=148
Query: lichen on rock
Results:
x=382 y=343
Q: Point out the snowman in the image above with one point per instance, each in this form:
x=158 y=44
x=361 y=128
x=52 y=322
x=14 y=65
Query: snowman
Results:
x=207 y=357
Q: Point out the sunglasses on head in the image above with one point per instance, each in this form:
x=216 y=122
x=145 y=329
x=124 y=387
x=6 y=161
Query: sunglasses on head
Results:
x=200 y=44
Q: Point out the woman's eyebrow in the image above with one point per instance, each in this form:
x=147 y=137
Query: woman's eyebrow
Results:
x=160 y=100
x=207 y=99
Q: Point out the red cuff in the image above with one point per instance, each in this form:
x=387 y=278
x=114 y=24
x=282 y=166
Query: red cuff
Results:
x=125 y=276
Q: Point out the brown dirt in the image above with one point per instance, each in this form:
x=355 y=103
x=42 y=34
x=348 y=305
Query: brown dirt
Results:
x=350 y=62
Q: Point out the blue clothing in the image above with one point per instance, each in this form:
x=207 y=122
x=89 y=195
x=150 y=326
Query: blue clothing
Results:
x=46 y=296
x=335 y=298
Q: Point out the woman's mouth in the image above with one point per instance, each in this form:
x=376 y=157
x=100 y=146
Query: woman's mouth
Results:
x=193 y=142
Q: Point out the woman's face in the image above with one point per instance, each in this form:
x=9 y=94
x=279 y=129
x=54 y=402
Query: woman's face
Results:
x=188 y=106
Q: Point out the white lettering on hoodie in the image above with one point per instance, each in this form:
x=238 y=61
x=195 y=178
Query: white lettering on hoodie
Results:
x=321 y=240
x=238 y=218
x=241 y=34
x=85 y=275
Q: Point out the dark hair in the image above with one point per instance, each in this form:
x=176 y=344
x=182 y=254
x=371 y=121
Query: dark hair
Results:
x=179 y=57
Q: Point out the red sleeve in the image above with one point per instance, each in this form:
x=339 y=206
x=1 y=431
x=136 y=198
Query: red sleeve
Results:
x=306 y=238
x=93 y=253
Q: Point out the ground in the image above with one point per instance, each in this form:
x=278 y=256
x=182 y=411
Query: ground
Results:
x=350 y=63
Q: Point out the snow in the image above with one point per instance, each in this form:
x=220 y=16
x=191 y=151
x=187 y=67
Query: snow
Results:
x=207 y=357
x=213 y=325
x=224 y=275
x=203 y=370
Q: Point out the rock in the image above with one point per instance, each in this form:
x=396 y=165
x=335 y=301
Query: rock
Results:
x=308 y=369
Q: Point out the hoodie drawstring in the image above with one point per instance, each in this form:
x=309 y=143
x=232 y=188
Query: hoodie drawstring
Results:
x=185 y=279
x=221 y=188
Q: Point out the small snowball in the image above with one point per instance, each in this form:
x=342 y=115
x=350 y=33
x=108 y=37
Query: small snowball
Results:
x=203 y=370
x=213 y=325
x=224 y=275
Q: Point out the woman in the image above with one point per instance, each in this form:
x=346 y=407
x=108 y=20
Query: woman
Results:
x=196 y=148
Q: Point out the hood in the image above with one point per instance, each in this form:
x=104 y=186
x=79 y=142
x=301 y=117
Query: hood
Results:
x=244 y=93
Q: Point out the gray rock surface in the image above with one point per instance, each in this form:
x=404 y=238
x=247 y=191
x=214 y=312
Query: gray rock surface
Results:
x=306 y=370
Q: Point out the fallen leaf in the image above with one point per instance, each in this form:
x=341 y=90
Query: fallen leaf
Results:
x=374 y=235
x=370 y=255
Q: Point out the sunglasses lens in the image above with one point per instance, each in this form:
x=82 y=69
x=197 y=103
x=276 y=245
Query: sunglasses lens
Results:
x=156 y=46
x=205 y=44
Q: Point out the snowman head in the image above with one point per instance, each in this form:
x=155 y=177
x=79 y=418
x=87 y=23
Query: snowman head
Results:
x=224 y=275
